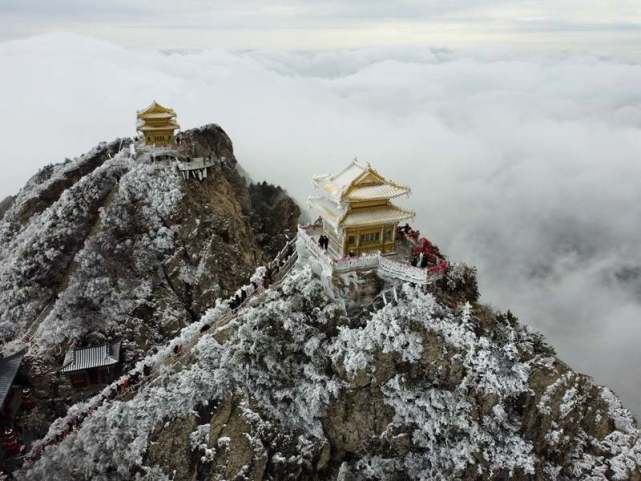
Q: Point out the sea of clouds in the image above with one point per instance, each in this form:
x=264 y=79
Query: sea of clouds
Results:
x=528 y=167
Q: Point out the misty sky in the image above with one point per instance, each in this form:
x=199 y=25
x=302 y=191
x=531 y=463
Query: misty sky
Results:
x=517 y=124
x=609 y=26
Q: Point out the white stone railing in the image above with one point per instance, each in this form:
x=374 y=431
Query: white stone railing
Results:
x=283 y=261
x=346 y=264
x=406 y=272
x=384 y=265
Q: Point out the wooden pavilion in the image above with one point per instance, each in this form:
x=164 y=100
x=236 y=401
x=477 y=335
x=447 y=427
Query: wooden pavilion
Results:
x=92 y=365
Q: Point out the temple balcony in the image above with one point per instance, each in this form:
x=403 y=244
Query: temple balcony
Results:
x=395 y=265
x=197 y=168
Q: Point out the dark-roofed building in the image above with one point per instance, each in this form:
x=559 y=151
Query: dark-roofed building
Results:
x=92 y=365
x=8 y=369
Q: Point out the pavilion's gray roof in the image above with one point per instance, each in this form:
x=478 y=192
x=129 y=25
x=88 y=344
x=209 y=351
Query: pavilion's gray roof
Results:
x=8 y=369
x=90 y=357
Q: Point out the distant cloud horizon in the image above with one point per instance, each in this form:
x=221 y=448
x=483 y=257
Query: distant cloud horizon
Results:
x=608 y=27
x=524 y=165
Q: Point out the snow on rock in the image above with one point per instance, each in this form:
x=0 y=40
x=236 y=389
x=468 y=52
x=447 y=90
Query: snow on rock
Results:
x=295 y=388
x=122 y=246
x=94 y=297
x=32 y=258
x=112 y=245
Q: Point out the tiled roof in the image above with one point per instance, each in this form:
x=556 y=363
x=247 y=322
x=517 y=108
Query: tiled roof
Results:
x=158 y=115
x=372 y=192
x=336 y=185
x=155 y=107
x=90 y=357
x=8 y=369
x=142 y=125
x=347 y=183
x=379 y=215
x=327 y=209
x=338 y=216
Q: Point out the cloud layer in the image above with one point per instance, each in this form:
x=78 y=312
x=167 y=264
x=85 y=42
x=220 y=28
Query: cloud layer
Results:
x=527 y=167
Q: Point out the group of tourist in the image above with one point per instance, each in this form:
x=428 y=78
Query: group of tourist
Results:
x=323 y=242
x=240 y=297
x=424 y=253
x=131 y=381
x=421 y=260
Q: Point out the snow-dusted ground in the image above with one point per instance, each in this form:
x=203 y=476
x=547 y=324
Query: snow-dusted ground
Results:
x=468 y=398
x=34 y=253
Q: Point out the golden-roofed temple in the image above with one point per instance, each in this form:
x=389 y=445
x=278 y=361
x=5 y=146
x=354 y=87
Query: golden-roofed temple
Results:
x=357 y=212
x=157 y=124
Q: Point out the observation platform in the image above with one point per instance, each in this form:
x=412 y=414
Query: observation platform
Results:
x=396 y=265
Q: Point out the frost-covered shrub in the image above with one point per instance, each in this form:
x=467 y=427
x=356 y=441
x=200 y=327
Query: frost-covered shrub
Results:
x=41 y=252
x=278 y=354
x=616 y=456
x=449 y=438
x=459 y=284
x=199 y=442
x=455 y=392
x=446 y=435
x=387 y=331
x=100 y=294
x=267 y=358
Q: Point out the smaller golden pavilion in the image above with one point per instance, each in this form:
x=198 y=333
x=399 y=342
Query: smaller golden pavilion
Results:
x=157 y=124
x=357 y=212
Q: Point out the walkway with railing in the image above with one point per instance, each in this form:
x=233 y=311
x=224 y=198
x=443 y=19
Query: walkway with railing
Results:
x=385 y=266
x=152 y=370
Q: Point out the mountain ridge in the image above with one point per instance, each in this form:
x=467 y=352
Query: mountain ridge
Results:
x=110 y=246
x=298 y=381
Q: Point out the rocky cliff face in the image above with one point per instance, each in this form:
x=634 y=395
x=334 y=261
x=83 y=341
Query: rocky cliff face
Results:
x=295 y=387
x=108 y=246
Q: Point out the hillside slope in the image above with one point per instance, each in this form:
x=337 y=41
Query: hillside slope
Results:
x=297 y=388
x=108 y=246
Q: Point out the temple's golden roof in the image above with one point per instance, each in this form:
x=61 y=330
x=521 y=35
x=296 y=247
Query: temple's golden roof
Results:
x=156 y=109
x=340 y=216
x=327 y=209
x=386 y=214
x=156 y=118
x=359 y=182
